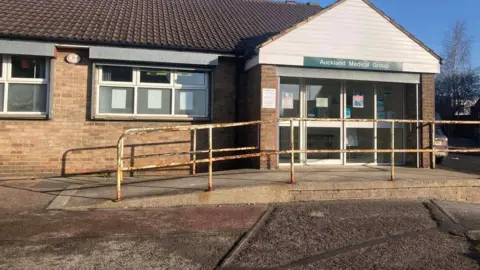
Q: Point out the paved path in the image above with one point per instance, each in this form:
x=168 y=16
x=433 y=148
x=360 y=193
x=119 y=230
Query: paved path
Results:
x=326 y=235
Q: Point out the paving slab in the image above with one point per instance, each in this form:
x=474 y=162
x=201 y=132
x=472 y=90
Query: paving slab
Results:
x=468 y=215
x=28 y=194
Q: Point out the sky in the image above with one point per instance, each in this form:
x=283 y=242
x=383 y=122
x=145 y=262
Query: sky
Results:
x=428 y=20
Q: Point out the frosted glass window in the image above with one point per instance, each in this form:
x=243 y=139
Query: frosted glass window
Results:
x=190 y=102
x=27 y=98
x=154 y=101
x=116 y=99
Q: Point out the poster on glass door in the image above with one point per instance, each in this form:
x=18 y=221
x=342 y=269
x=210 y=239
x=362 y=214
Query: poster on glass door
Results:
x=358 y=100
x=287 y=100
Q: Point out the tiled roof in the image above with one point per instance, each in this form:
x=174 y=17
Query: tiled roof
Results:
x=207 y=25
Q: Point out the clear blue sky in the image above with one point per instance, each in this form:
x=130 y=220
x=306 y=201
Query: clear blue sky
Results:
x=428 y=20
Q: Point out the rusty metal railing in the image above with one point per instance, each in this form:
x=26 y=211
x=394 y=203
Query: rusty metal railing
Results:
x=194 y=161
x=292 y=151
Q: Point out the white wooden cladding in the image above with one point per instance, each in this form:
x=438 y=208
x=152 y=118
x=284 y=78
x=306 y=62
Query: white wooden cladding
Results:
x=351 y=30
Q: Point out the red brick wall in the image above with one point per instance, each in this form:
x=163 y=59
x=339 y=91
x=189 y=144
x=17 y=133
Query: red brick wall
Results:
x=428 y=113
x=71 y=143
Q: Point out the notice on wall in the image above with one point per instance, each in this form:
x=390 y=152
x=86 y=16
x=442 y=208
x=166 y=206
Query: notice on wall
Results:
x=154 y=99
x=269 y=98
x=119 y=98
x=322 y=102
x=348 y=113
x=287 y=100
x=186 y=101
x=358 y=100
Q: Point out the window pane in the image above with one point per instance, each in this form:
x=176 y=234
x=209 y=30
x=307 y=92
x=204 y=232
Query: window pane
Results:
x=27 y=98
x=154 y=76
x=323 y=98
x=191 y=78
x=284 y=143
x=28 y=67
x=360 y=138
x=289 y=97
x=389 y=101
x=154 y=101
x=117 y=74
x=1 y=66
x=363 y=94
x=191 y=102
x=1 y=96
x=116 y=99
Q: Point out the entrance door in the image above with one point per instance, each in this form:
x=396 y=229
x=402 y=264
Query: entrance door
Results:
x=359 y=104
x=323 y=99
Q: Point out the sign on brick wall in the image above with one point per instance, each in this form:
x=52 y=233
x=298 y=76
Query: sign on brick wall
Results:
x=269 y=98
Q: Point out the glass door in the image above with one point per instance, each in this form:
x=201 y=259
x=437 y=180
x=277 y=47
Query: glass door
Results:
x=323 y=100
x=290 y=107
x=359 y=104
x=390 y=105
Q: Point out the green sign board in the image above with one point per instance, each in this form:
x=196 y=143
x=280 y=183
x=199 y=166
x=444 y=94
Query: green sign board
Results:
x=351 y=64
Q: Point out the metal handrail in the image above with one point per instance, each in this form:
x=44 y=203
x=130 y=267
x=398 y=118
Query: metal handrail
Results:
x=291 y=151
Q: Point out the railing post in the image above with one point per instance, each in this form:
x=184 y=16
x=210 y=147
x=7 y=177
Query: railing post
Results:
x=210 y=157
x=292 y=153
x=433 y=145
x=392 y=134
x=194 y=151
x=119 y=167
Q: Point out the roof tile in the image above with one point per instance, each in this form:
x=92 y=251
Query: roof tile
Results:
x=214 y=25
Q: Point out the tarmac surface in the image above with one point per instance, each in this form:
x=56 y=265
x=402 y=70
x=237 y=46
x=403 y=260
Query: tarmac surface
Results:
x=316 y=235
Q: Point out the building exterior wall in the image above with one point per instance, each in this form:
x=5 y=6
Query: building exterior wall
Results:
x=72 y=143
x=427 y=113
x=269 y=131
x=354 y=30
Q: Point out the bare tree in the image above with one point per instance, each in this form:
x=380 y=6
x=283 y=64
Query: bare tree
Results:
x=457 y=47
x=458 y=85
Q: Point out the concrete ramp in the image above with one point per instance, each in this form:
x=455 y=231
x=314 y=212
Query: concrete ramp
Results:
x=253 y=186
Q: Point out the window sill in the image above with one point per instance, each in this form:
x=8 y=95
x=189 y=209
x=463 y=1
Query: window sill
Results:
x=24 y=116
x=148 y=118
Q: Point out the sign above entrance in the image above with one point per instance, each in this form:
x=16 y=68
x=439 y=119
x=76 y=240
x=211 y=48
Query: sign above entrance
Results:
x=351 y=64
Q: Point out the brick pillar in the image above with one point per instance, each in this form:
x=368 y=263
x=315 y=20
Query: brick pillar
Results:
x=427 y=113
x=268 y=132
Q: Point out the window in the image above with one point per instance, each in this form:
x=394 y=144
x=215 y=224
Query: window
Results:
x=152 y=92
x=23 y=84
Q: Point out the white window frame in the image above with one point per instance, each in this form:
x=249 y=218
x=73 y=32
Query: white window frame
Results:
x=6 y=79
x=136 y=84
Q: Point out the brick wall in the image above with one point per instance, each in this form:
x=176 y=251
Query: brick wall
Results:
x=269 y=131
x=427 y=113
x=71 y=143
x=250 y=99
